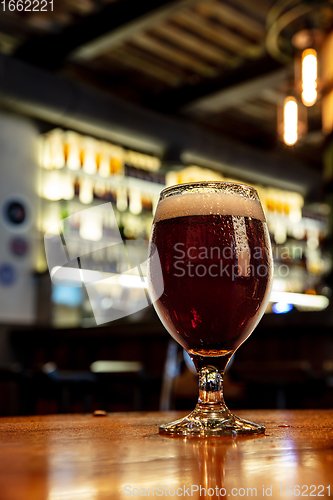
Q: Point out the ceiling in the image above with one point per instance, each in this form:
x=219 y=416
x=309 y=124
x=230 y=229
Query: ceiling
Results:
x=201 y=60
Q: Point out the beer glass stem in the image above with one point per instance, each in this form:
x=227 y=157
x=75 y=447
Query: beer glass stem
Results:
x=211 y=417
x=210 y=388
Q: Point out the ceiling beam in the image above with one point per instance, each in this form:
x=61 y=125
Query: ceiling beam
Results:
x=173 y=100
x=216 y=33
x=258 y=8
x=112 y=24
x=234 y=18
x=208 y=51
x=120 y=34
x=172 y=54
x=233 y=95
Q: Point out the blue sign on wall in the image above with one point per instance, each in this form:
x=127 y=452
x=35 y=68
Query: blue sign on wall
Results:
x=7 y=274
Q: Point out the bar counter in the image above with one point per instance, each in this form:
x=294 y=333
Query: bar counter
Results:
x=121 y=455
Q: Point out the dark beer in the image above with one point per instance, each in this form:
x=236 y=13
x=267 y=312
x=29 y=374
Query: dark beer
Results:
x=216 y=266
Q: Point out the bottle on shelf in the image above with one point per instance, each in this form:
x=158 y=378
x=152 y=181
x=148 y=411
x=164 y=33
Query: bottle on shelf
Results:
x=86 y=194
x=89 y=155
x=72 y=150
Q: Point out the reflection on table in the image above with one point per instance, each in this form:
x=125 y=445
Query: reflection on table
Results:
x=69 y=457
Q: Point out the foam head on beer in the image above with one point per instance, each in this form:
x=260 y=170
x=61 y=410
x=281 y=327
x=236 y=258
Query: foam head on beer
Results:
x=208 y=203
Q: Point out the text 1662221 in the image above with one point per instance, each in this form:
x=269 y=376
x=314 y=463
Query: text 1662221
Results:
x=27 y=5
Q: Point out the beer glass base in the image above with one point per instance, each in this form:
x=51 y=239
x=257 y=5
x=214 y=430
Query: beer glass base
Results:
x=202 y=423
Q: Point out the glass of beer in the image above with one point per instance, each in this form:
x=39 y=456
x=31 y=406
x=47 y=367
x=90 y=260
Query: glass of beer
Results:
x=216 y=262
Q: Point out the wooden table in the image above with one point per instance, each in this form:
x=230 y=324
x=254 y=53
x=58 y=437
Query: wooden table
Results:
x=81 y=457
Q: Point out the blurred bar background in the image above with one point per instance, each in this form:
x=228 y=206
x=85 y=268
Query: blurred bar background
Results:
x=109 y=101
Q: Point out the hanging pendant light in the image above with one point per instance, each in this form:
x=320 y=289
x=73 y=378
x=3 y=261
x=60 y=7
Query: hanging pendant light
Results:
x=309 y=77
x=290 y=121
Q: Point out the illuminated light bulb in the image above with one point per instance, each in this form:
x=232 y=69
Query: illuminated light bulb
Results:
x=40 y=151
x=155 y=200
x=135 y=205
x=73 y=150
x=51 y=217
x=117 y=159
x=67 y=186
x=104 y=165
x=296 y=202
x=131 y=157
x=57 y=150
x=89 y=156
x=152 y=163
x=290 y=118
x=86 y=195
x=155 y=163
x=130 y=281
x=280 y=233
x=171 y=178
x=309 y=77
x=91 y=225
x=46 y=158
x=121 y=194
x=51 y=186
x=100 y=188
x=316 y=302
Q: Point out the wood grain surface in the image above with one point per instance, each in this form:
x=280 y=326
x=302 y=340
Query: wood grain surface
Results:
x=121 y=455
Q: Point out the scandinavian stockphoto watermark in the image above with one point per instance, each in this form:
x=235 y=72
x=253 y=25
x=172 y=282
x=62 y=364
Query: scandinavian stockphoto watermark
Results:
x=193 y=490
x=229 y=262
x=187 y=491
x=197 y=490
x=86 y=249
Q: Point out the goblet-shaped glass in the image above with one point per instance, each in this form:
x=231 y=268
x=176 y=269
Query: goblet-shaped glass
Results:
x=215 y=256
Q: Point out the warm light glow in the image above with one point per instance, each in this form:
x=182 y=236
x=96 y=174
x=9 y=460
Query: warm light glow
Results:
x=100 y=188
x=77 y=276
x=86 y=194
x=130 y=281
x=89 y=155
x=56 y=144
x=52 y=187
x=115 y=366
x=104 y=166
x=91 y=225
x=290 y=117
x=46 y=159
x=309 y=77
x=315 y=302
x=122 y=198
x=73 y=150
x=135 y=205
x=67 y=186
